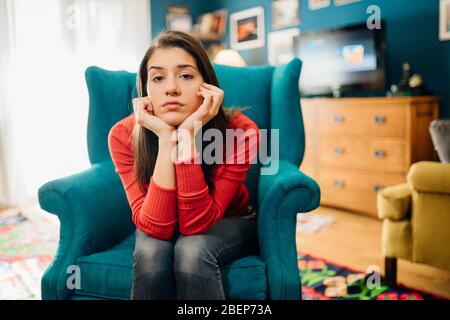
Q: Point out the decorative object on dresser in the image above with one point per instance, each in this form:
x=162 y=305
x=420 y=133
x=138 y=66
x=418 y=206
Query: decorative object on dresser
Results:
x=409 y=85
x=357 y=146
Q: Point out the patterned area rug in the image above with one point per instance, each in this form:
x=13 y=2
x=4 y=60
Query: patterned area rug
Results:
x=28 y=242
x=324 y=280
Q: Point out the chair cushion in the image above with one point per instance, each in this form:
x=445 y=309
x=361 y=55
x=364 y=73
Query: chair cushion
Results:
x=109 y=274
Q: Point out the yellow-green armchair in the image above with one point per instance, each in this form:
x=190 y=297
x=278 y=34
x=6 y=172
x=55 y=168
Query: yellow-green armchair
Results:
x=416 y=218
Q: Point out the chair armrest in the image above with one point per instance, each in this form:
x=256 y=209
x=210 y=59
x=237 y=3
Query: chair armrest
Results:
x=280 y=197
x=428 y=176
x=394 y=202
x=94 y=215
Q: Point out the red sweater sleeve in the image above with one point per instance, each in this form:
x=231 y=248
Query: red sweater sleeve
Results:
x=153 y=212
x=198 y=209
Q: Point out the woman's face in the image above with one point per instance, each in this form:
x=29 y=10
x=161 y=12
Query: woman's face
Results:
x=173 y=77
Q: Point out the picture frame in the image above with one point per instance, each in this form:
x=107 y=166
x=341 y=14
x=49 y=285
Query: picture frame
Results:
x=285 y=13
x=318 y=4
x=247 y=29
x=280 y=45
x=444 y=20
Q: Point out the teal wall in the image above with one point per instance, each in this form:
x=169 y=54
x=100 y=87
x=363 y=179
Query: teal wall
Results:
x=412 y=33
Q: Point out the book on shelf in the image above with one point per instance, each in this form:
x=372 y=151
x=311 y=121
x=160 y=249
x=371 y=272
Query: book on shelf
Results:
x=211 y=24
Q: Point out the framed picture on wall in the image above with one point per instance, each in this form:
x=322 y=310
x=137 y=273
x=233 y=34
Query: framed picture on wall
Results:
x=247 y=29
x=285 y=13
x=280 y=45
x=318 y=4
x=444 y=20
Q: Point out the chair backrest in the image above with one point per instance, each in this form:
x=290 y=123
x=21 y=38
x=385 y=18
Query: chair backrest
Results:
x=271 y=93
x=110 y=96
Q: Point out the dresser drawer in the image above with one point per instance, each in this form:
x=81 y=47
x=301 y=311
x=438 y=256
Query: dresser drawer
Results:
x=360 y=120
x=375 y=154
x=353 y=189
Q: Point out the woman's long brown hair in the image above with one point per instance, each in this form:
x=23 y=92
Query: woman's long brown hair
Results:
x=145 y=142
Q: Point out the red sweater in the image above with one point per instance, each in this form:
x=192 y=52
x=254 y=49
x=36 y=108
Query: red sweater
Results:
x=190 y=204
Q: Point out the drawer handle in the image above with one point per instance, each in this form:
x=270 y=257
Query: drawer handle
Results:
x=339 y=184
x=338 y=119
x=379 y=119
x=379 y=154
x=339 y=150
x=377 y=187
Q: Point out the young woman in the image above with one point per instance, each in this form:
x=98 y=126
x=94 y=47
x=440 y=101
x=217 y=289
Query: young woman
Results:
x=192 y=217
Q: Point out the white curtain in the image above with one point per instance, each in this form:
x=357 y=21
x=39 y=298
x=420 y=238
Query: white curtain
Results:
x=45 y=47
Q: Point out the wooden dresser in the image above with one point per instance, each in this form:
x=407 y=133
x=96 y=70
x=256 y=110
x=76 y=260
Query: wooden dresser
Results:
x=356 y=146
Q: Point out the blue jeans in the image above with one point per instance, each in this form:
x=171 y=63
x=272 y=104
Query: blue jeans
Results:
x=188 y=267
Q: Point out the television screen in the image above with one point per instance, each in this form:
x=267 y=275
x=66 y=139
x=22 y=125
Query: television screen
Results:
x=350 y=60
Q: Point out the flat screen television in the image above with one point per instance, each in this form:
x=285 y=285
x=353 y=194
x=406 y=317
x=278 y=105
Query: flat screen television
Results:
x=349 y=61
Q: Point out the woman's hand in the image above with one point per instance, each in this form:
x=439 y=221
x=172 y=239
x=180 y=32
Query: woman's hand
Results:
x=212 y=99
x=144 y=115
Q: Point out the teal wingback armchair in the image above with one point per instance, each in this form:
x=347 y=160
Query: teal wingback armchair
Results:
x=97 y=235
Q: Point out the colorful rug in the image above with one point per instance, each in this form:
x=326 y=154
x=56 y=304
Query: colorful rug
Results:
x=28 y=242
x=323 y=280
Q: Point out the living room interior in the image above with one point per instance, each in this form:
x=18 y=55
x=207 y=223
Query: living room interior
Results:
x=374 y=122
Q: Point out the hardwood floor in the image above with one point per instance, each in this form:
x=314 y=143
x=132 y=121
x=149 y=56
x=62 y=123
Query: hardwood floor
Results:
x=354 y=240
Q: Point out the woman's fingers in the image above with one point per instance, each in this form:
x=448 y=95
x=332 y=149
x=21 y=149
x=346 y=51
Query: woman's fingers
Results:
x=213 y=89
x=142 y=108
x=207 y=100
x=216 y=94
x=210 y=86
x=148 y=104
